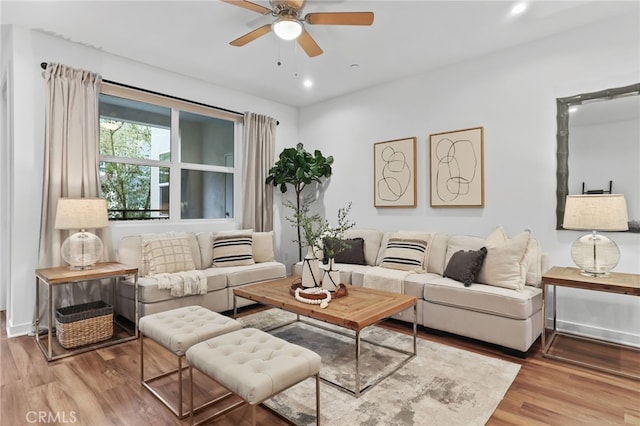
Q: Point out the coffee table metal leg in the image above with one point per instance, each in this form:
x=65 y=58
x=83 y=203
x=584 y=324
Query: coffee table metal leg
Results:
x=357 y=390
x=415 y=329
x=235 y=307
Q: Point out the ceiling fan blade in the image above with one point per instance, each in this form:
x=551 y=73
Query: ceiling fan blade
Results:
x=309 y=44
x=250 y=36
x=248 y=5
x=339 y=18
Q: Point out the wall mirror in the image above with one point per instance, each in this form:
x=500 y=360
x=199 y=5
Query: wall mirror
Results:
x=599 y=147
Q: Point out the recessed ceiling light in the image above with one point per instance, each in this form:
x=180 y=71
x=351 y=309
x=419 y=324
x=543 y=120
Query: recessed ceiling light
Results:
x=355 y=66
x=518 y=8
x=307 y=83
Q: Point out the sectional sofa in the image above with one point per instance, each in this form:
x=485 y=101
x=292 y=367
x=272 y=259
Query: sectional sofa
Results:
x=501 y=302
x=178 y=269
x=487 y=289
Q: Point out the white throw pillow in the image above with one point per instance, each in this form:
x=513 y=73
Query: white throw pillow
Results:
x=233 y=250
x=505 y=264
x=262 y=247
x=168 y=255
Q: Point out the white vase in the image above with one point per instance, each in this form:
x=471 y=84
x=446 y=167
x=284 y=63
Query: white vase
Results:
x=310 y=270
x=331 y=277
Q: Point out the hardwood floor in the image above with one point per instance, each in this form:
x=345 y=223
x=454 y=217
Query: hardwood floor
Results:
x=102 y=387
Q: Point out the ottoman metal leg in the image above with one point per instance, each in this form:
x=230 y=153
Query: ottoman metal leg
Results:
x=147 y=383
x=177 y=330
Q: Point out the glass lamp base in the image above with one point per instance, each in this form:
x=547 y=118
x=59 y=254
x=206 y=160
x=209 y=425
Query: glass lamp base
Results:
x=595 y=255
x=82 y=250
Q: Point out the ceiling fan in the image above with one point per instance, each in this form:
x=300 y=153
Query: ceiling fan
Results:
x=289 y=23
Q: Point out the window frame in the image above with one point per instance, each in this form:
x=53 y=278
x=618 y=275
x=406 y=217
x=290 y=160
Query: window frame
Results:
x=175 y=165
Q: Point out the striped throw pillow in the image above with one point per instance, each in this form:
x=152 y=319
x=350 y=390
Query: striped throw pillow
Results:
x=233 y=250
x=406 y=254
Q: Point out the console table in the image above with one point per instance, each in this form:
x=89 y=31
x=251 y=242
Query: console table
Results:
x=62 y=275
x=571 y=277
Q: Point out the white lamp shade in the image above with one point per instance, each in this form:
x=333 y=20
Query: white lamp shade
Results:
x=596 y=212
x=81 y=213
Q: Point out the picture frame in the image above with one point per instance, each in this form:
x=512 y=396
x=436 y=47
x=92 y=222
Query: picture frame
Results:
x=394 y=173
x=457 y=168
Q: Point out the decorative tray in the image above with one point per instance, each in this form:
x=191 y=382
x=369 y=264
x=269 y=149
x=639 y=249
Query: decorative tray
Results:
x=340 y=292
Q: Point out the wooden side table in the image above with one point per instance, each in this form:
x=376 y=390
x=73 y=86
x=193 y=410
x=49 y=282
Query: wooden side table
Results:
x=62 y=275
x=571 y=277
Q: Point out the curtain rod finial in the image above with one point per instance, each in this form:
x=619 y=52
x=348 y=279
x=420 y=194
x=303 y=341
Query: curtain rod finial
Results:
x=43 y=65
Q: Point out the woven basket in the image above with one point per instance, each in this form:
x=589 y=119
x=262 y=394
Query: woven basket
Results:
x=84 y=324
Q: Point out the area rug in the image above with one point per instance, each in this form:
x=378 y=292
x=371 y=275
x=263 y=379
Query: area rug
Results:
x=442 y=385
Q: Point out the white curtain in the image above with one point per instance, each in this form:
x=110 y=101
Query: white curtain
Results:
x=70 y=166
x=259 y=142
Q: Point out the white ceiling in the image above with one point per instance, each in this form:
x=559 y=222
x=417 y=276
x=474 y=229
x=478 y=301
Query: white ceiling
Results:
x=407 y=37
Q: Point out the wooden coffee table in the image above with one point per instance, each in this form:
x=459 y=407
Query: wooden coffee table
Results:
x=361 y=308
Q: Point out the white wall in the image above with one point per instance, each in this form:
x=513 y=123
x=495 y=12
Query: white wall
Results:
x=512 y=94
x=22 y=58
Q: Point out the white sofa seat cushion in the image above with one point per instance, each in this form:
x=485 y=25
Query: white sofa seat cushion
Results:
x=484 y=298
x=346 y=270
x=148 y=291
x=240 y=275
x=414 y=283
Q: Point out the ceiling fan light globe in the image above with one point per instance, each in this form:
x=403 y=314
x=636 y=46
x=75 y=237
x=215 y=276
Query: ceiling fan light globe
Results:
x=287 y=28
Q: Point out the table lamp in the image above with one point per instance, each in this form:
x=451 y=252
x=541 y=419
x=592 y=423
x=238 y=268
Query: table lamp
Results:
x=82 y=249
x=594 y=253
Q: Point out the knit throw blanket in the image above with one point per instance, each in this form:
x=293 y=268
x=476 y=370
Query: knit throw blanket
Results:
x=386 y=279
x=183 y=283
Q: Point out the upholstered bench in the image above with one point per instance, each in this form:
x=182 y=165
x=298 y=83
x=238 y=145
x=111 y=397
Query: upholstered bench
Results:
x=177 y=330
x=253 y=365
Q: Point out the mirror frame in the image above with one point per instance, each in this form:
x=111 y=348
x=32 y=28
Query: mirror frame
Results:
x=562 y=153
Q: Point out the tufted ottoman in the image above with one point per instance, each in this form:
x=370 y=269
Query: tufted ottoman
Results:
x=253 y=365
x=177 y=330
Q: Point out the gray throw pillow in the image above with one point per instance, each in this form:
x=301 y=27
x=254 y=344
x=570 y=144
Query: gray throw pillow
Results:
x=465 y=265
x=353 y=252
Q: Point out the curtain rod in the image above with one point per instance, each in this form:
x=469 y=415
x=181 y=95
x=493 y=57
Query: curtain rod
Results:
x=43 y=65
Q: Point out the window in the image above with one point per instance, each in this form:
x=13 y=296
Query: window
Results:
x=162 y=158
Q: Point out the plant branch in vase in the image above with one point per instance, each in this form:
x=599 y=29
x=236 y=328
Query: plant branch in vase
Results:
x=333 y=243
x=311 y=228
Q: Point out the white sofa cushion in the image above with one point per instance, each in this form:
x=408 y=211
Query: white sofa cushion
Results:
x=372 y=239
x=437 y=253
x=240 y=275
x=483 y=298
x=461 y=242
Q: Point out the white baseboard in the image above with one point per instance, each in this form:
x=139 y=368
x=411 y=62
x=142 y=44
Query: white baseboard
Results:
x=597 y=332
x=19 y=330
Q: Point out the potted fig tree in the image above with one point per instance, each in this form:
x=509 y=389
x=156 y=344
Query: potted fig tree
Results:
x=299 y=168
